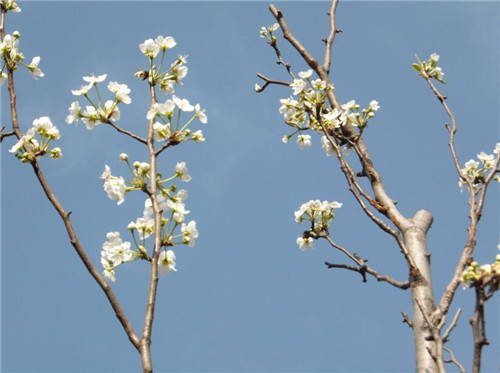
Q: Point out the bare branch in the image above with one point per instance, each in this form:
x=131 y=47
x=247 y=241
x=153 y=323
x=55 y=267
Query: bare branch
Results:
x=327 y=60
x=365 y=269
x=452 y=326
x=65 y=216
x=407 y=320
x=311 y=61
x=453 y=360
x=5 y=134
x=269 y=81
x=128 y=133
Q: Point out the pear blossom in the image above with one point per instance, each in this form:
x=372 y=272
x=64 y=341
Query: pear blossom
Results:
x=327 y=146
x=121 y=92
x=486 y=159
x=113 y=186
x=90 y=117
x=306 y=74
x=28 y=138
x=74 y=112
x=44 y=127
x=178 y=209
x=145 y=226
x=166 y=42
x=181 y=195
x=3 y=76
x=162 y=205
x=189 y=232
x=55 y=153
x=434 y=57
x=178 y=69
x=161 y=131
x=319 y=213
x=34 y=69
x=93 y=79
x=497 y=148
x=83 y=90
x=109 y=271
x=182 y=103
x=166 y=262
x=298 y=86
x=111 y=110
x=115 y=250
x=198 y=136
x=304 y=141
x=149 y=48
x=305 y=243
x=374 y=106
x=10 y=5
x=181 y=171
x=200 y=113
x=270 y=29
x=318 y=84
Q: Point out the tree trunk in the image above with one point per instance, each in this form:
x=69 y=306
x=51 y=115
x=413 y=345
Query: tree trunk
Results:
x=421 y=293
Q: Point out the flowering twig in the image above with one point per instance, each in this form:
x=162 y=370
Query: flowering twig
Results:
x=65 y=215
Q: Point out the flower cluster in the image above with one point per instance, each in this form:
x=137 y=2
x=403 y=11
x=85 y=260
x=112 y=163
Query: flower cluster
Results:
x=99 y=112
x=267 y=32
x=114 y=252
x=482 y=274
x=475 y=171
x=174 y=74
x=10 y=5
x=308 y=109
x=10 y=54
x=173 y=133
x=166 y=115
x=170 y=204
x=37 y=140
x=429 y=68
x=319 y=214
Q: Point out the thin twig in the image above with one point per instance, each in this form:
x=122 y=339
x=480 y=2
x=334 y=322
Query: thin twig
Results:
x=365 y=269
x=453 y=360
x=128 y=133
x=327 y=60
x=452 y=326
x=269 y=81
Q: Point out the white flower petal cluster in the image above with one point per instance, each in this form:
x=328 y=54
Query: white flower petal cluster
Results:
x=319 y=213
x=166 y=262
x=189 y=233
x=114 y=252
x=430 y=68
x=181 y=171
x=268 y=31
x=486 y=274
x=28 y=147
x=476 y=171
x=114 y=186
x=145 y=226
x=10 y=5
x=94 y=114
x=305 y=243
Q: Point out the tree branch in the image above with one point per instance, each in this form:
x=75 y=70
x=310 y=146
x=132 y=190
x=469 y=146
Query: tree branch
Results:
x=65 y=216
x=128 y=133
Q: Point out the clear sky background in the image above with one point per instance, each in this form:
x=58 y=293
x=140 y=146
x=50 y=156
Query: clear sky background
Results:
x=245 y=298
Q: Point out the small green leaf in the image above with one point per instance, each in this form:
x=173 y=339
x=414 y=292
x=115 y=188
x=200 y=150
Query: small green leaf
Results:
x=417 y=67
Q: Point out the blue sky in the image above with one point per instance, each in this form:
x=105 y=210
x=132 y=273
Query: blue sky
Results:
x=245 y=298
